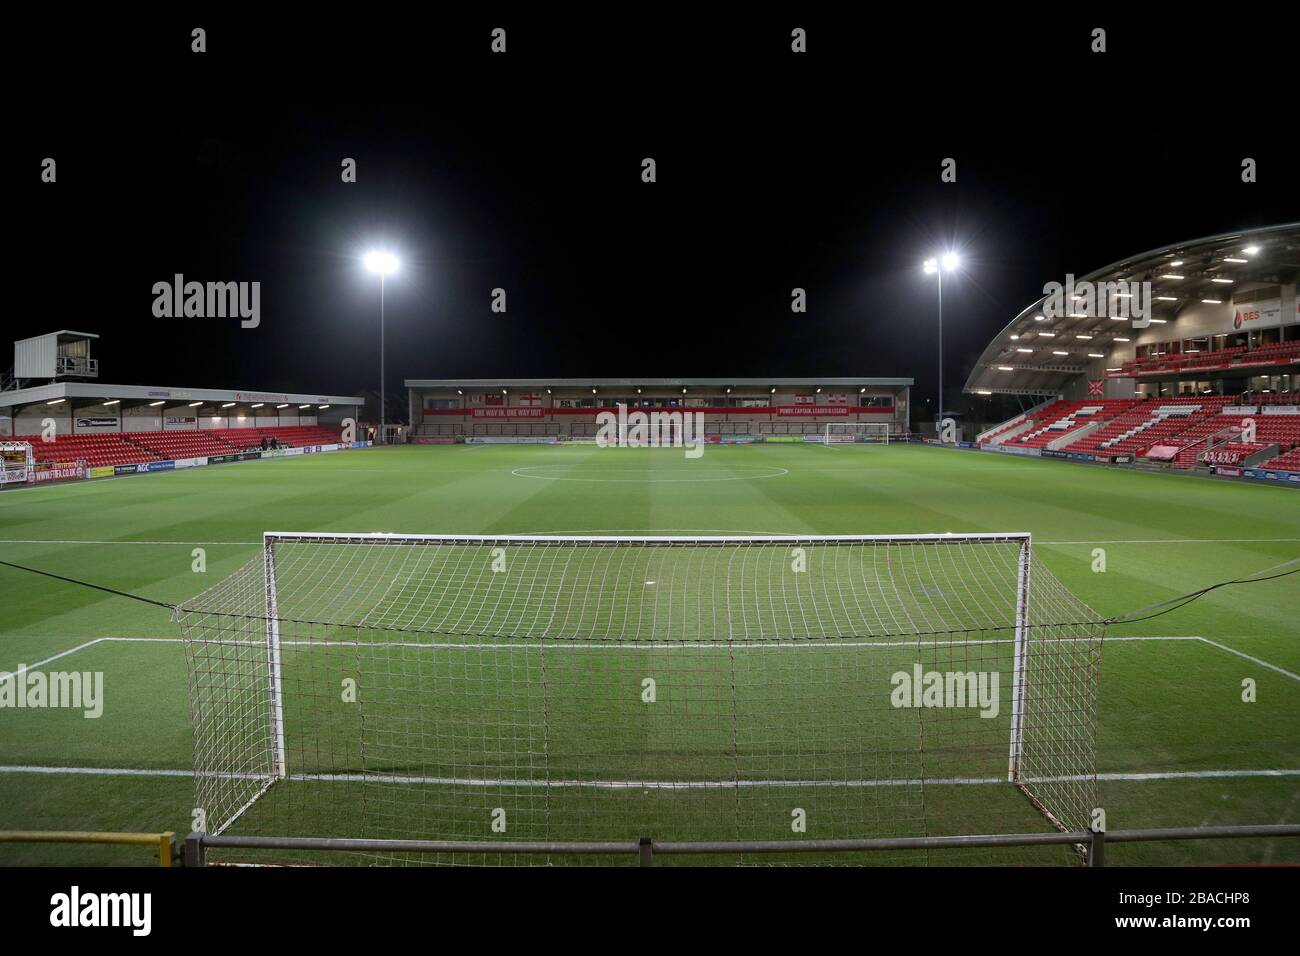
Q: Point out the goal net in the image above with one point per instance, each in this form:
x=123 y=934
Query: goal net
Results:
x=538 y=689
x=834 y=434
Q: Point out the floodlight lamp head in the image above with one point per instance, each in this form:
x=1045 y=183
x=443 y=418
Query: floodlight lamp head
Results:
x=385 y=263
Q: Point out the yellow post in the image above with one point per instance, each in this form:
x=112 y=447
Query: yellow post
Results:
x=165 y=842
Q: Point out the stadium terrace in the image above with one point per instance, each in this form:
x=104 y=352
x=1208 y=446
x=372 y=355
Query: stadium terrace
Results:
x=1206 y=379
x=737 y=409
x=74 y=426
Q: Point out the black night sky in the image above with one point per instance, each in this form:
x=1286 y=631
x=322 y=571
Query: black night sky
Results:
x=522 y=171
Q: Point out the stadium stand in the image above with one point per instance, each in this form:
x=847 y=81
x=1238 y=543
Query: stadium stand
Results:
x=94 y=450
x=1238 y=355
x=132 y=448
x=187 y=444
x=1149 y=423
x=1287 y=462
x=1059 y=420
x=293 y=436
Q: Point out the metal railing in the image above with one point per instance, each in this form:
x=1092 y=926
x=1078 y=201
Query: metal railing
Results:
x=165 y=843
x=646 y=850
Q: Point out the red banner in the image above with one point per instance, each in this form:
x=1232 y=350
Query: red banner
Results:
x=508 y=412
x=786 y=411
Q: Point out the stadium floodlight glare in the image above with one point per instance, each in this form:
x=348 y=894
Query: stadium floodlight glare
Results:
x=383 y=264
x=950 y=261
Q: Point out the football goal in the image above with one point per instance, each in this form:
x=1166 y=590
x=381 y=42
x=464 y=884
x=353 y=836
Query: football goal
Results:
x=850 y=434
x=562 y=688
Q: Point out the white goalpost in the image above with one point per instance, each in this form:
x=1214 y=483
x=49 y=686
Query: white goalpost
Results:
x=834 y=434
x=564 y=688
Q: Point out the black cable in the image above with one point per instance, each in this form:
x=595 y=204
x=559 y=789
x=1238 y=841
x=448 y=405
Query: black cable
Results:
x=1173 y=604
x=87 y=584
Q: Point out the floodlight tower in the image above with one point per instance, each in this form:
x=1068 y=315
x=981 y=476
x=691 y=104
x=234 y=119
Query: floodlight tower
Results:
x=384 y=263
x=948 y=261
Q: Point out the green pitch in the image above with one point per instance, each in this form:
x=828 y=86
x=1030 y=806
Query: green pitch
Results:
x=1177 y=744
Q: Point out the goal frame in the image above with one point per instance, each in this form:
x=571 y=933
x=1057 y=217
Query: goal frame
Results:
x=867 y=437
x=1019 y=688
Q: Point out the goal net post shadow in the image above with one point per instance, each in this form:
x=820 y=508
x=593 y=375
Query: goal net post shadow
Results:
x=575 y=688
